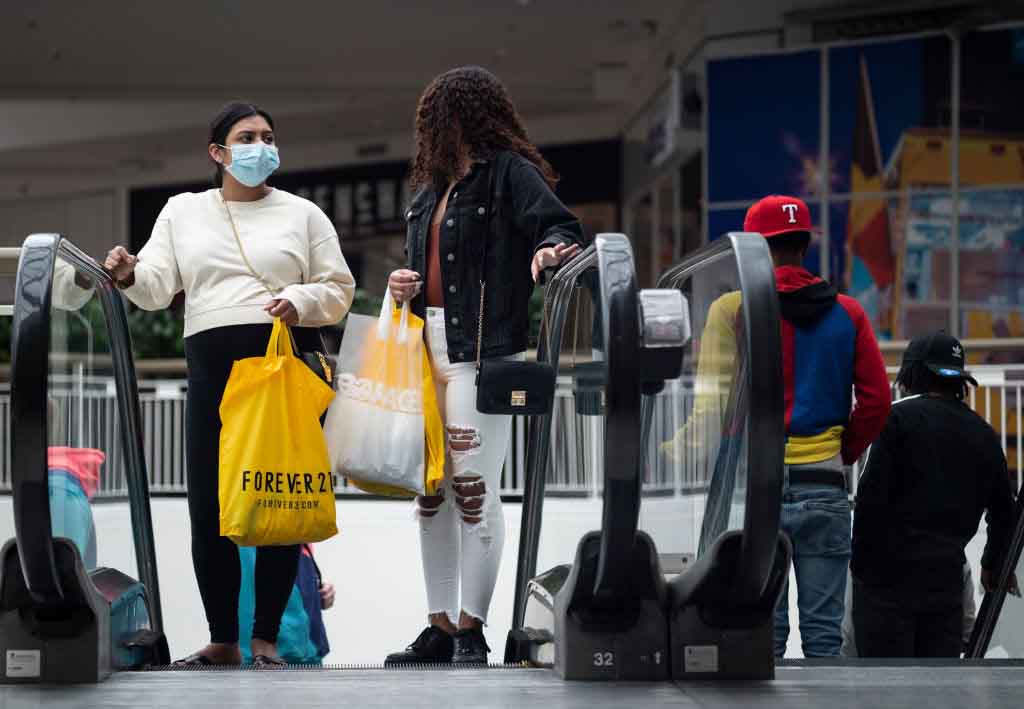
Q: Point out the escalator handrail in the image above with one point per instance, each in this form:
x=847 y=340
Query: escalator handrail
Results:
x=623 y=476
x=30 y=347
x=766 y=422
x=29 y=388
x=557 y=300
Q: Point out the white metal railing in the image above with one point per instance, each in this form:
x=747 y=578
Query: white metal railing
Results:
x=83 y=413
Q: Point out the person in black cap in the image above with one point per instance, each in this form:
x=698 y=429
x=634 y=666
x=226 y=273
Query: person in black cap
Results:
x=934 y=469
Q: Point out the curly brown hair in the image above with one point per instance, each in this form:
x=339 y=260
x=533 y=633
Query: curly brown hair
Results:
x=467 y=106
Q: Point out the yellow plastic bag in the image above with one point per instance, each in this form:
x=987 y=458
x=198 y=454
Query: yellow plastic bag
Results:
x=275 y=481
x=384 y=429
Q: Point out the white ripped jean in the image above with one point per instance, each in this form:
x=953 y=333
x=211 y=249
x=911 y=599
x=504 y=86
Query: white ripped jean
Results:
x=461 y=538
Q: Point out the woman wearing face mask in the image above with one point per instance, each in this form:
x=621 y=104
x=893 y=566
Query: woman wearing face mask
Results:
x=244 y=253
x=480 y=181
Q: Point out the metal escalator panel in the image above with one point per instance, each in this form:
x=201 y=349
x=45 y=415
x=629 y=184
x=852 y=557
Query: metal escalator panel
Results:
x=715 y=436
x=78 y=588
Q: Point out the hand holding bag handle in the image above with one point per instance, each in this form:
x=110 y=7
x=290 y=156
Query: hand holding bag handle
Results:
x=508 y=386
x=384 y=321
x=316 y=361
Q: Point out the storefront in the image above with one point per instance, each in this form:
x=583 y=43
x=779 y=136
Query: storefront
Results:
x=909 y=150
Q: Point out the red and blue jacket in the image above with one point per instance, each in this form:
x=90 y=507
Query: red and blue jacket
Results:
x=829 y=354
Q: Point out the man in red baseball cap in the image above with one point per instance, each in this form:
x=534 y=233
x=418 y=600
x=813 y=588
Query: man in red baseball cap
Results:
x=828 y=352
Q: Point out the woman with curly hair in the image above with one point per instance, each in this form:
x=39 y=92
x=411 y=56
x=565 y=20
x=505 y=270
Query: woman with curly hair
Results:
x=477 y=179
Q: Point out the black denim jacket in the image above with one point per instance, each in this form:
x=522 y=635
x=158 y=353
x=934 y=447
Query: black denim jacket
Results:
x=527 y=217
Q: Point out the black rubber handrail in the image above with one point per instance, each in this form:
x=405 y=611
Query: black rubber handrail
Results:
x=623 y=474
x=30 y=348
x=765 y=418
x=29 y=390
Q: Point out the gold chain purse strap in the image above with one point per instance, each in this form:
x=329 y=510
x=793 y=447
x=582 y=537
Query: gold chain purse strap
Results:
x=252 y=271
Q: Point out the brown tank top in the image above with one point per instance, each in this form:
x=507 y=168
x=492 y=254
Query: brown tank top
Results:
x=433 y=287
x=434 y=291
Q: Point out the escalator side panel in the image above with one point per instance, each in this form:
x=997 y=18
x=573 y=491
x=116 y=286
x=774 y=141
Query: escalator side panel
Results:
x=626 y=642
x=68 y=643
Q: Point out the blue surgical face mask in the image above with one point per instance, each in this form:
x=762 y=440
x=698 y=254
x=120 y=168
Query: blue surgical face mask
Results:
x=252 y=163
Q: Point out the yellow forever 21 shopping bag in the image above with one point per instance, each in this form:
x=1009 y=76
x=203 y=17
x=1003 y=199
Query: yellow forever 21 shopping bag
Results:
x=275 y=480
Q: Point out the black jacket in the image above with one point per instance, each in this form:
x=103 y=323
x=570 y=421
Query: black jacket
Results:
x=936 y=467
x=525 y=216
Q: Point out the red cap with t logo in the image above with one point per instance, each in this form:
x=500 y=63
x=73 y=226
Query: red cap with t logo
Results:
x=778 y=214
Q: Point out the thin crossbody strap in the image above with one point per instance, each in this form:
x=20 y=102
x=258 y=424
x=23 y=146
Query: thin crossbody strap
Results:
x=241 y=250
x=483 y=260
x=263 y=282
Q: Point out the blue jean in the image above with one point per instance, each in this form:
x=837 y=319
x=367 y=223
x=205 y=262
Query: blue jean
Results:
x=817 y=520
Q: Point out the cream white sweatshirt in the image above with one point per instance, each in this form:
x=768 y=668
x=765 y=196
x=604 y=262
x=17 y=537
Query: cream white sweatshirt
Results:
x=289 y=241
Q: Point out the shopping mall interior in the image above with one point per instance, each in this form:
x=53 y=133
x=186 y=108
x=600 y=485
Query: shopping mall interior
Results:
x=899 y=123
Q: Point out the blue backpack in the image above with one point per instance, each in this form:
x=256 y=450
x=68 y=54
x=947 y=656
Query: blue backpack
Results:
x=302 y=639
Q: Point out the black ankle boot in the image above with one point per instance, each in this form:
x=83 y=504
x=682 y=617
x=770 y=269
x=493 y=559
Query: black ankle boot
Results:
x=470 y=647
x=433 y=645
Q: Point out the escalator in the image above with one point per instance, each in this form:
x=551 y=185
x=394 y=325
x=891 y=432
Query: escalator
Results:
x=616 y=607
x=62 y=598
x=663 y=472
x=70 y=609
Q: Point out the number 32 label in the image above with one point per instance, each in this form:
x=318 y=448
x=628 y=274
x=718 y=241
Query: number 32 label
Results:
x=604 y=659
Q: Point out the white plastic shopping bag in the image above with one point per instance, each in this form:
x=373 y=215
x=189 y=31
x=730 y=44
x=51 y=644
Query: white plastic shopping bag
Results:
x=376 y=426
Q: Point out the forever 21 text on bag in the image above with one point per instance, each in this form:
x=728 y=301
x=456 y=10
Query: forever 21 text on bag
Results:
x=275 y=481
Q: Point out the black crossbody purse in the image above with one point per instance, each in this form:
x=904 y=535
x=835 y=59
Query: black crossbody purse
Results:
x=508 y=386
x=315 y=360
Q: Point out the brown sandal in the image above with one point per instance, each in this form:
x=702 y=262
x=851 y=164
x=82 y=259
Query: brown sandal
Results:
x=267 y=662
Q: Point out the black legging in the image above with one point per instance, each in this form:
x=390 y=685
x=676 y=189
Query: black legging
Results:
x=210 y=355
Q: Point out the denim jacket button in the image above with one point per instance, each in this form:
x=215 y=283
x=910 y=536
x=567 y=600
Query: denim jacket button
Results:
x=480 y=211
x=451 y=257
x=451 y=289
x=455 y=321
x=450 y=222
x=408 y=215
x=455 y=195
